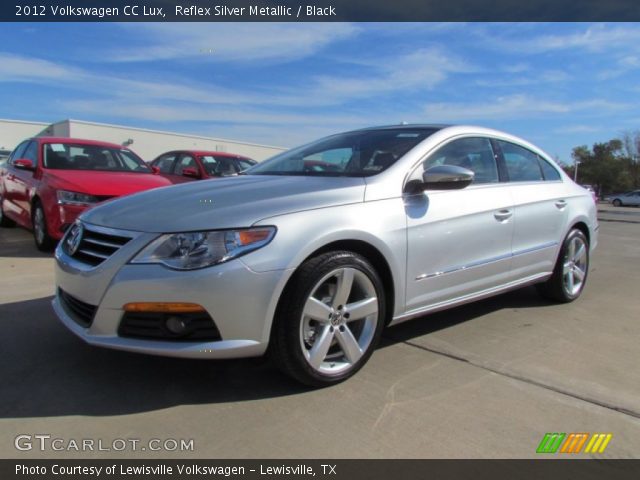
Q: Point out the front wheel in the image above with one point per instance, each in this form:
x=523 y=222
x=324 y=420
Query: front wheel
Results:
x=571 y=269
x=617 y=203
x=329 y=319
x=43 y=240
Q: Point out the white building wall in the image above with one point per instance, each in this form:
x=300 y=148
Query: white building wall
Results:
x=146 y=143
x=150 y=143
x=12 y=132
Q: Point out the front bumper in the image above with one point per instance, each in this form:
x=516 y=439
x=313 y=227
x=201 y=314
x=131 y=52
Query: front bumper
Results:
x=240 y=301
x=62 y=218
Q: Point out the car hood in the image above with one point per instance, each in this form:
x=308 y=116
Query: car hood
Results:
x=225 y=203
x=108 y=184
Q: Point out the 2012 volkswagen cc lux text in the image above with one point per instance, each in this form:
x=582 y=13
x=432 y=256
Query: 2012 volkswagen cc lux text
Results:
x=309 y=263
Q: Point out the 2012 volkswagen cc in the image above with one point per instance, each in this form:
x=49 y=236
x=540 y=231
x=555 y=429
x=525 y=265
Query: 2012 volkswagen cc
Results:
x=311 y=264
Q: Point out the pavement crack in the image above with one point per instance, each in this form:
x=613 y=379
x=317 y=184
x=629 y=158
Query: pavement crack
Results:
x=530 y=381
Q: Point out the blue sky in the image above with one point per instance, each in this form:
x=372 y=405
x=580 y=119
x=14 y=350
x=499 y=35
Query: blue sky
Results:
x=557 y=85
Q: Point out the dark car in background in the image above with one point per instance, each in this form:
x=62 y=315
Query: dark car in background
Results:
x=181 y=166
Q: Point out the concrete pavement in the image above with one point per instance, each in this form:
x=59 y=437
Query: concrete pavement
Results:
x=486 y=380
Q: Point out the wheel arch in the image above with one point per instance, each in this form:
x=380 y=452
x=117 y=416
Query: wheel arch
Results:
x=360 y=247
x=584 y=228
x=377 y=259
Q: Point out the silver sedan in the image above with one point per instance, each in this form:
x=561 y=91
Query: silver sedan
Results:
x=309 y=264
x=626 y=199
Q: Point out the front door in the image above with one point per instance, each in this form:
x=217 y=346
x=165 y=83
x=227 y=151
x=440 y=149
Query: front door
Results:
x=459 y=241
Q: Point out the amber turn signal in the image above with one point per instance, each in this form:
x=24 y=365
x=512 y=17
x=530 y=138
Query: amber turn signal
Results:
x=163 y=307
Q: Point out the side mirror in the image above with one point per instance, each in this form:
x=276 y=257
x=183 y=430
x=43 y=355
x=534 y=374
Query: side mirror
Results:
x=191 y=172
x=155 y=170
x=24 y=164
x=446 y=177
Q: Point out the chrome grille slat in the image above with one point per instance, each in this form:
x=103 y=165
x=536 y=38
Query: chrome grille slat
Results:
x=102 y=243
x=92 y=253
x=97 y=244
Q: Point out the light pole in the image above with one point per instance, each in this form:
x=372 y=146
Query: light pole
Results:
x=575 y=171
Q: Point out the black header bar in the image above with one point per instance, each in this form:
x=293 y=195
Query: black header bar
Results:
x=319 y=10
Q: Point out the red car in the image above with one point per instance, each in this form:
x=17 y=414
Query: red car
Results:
x=47 y=182
x=183 y=165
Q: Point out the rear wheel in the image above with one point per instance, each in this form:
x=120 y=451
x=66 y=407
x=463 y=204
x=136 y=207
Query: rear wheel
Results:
x=4 y=220
x=329 y=320
x=44 y=242
x=571 y=270
x=617 y=203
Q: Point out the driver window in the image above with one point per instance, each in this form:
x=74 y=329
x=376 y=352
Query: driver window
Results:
x=31 y=153
x=473 y=153
x=187 y=161
x=17 y=153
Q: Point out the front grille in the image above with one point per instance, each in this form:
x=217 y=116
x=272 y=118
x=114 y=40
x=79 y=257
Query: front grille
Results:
x=95 y=246
x=81 y=312
x=152 y=326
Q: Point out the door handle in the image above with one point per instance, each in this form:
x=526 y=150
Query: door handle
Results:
x=503 y=215
x=561 y=204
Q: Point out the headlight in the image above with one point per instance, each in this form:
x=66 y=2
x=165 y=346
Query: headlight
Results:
x=188 y=251
x=75 y=198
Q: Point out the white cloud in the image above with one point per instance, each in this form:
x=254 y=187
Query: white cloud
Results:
x=20 y=68
x=229 y=42
x=183 y=113
x=568 y=129
x=594 y=38
x=421 y=69
x=514 y=106
x=536 y=78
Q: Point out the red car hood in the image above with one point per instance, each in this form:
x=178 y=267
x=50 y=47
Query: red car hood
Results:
x=112 y=184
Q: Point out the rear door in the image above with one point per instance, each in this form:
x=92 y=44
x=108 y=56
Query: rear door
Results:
x=634 y=198
x=19 y=183
x=459 y=241
x=539 y=209
x=8 y=186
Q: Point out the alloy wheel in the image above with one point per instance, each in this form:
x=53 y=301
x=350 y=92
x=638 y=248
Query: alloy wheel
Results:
x=574 y=269
x=339 y=321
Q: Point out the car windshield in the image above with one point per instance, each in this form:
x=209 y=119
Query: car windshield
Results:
x=69 y=156
x=355 y=154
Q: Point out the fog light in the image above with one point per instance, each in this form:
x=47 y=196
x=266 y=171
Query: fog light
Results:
x=176 y=325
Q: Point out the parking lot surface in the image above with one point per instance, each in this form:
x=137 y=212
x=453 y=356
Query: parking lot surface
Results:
x=486 y=380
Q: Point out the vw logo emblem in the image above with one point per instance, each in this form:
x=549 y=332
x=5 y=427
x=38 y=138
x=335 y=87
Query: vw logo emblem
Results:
x=74 y=238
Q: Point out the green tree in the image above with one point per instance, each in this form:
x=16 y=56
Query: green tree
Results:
x=605 y=166
x=631 y=149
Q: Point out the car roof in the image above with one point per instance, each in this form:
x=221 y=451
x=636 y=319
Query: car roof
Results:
x=406 y=126
x=80 y=141
x=206 y=152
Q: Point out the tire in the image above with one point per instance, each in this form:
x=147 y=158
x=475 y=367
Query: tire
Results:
x=329 y=319
x=5 y=221
x=617 y=203
x=571 y=270
x=44 y=242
